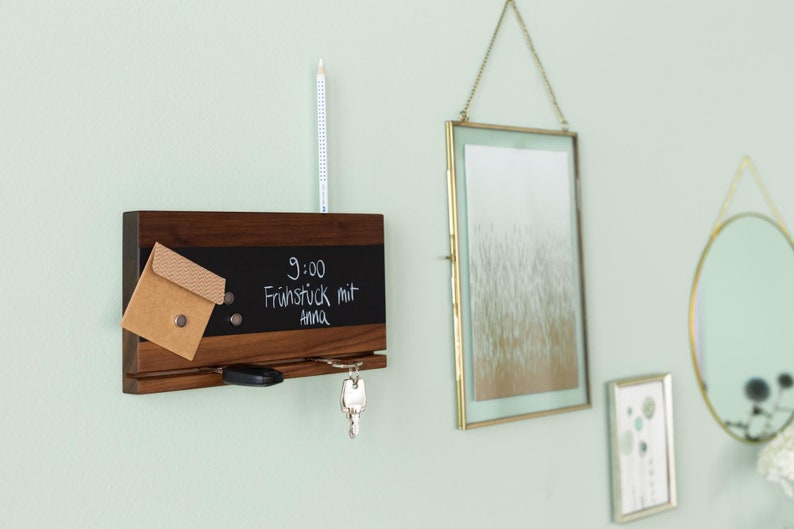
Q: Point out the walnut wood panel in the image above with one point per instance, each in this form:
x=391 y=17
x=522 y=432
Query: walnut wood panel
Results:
x=174 y=383
x=265 y=347
x=221 y=229
x=157 y=384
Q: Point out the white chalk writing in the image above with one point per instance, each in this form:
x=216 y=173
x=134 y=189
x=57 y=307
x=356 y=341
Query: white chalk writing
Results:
x=311 y=298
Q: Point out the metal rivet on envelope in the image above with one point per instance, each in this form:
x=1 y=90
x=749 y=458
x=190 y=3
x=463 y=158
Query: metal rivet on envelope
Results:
x=236 y=319
x=228 y=298
x=180 y=321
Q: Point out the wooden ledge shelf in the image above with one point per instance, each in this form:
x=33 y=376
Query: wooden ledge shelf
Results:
x=194 y=378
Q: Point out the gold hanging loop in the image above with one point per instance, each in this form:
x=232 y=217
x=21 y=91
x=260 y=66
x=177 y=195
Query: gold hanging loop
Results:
x=744 y=165
x=464 y=114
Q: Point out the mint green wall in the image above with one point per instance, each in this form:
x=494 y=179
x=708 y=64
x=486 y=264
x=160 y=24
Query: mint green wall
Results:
x=209 y=105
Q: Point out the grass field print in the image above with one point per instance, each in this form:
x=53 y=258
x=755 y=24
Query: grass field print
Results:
x=521 y=271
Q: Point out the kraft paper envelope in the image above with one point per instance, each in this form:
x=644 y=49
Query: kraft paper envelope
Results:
x=171 y=286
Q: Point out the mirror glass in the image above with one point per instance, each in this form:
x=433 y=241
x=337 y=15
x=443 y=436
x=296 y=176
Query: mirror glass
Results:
x=741 y=324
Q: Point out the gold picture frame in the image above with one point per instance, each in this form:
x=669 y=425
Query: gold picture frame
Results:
x=517 y=279
x=641 y=442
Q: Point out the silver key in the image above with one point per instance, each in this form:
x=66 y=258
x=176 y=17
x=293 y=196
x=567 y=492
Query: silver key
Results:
x=353 y=401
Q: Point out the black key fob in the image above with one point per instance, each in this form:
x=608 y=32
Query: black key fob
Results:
x=251 y=375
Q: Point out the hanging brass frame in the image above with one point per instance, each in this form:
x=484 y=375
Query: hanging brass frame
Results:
x=463 y=422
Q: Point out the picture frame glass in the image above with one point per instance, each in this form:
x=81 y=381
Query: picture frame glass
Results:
x=517 y=273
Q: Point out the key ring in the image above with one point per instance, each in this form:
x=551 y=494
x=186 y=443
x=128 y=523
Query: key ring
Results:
x=333 y=362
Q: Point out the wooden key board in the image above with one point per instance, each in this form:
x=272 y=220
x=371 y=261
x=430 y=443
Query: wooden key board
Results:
x=298 y=286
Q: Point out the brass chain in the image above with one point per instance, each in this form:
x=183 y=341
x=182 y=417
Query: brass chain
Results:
x=464 y=115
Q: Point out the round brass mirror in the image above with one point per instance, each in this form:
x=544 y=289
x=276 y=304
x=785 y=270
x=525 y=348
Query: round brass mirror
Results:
x=741 y=326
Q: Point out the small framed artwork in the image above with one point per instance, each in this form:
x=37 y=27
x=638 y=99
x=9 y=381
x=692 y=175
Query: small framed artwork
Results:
x=641 y=440
x=517 y=281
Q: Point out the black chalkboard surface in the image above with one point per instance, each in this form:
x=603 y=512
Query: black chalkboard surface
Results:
x=291 y=288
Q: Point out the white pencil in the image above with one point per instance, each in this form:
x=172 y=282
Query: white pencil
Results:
x=322 y=141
